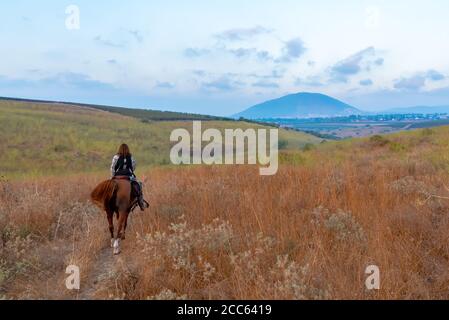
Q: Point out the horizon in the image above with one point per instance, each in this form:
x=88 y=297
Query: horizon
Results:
x=208 y=58
x=380 y=111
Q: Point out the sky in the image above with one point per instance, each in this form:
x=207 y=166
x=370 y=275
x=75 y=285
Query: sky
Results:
x=220 y=57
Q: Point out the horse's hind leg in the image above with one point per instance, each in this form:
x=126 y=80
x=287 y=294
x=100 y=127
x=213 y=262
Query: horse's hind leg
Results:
x=122 y=224
x=125 y=225
x=111 y=226
x=120 y=233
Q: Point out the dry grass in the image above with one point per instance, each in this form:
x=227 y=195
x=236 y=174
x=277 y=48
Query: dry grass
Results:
x=42 y=139
x=308 y=232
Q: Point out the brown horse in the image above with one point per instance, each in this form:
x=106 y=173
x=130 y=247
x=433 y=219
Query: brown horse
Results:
x=115 y=196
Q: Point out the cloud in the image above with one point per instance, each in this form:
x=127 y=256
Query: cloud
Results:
x=224 y=83
x=249 y=52
x=242 y=34
x=137 y=35
x=264 y=55
x=435 y=75
x=352 y=64
x=64 y=85
x=77 y=81
x=9 y=83
x=418 y=80
x=413 y=83
x=195 y=52
x=310 y=81
x=385 y=99
x=265 y=84
x=122 y=39
x=109 y=43
x=292 y=50
x=165 y=85
x=275 y=74
x=379 y=62
x=361 y=61
x=199 y=73
x=366 y=82
x=295 y=48
x=242 y=52
x=112 y=61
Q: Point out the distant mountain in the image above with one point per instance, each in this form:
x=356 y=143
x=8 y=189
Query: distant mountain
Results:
x=299 y=105
x=418 y=109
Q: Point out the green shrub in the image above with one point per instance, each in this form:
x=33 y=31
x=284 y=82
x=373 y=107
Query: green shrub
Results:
x=397 y=147
x=308 y=147
x=283 y=144
x=378 y=141
x=427 y=132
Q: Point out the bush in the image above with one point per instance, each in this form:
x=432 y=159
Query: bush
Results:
x=378 y=141
x=397 y=147
x=308 y=147
x=427 y=132
x=345 y=227
x=283 y=144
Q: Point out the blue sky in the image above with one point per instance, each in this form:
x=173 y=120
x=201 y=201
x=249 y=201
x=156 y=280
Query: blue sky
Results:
x=219 y=57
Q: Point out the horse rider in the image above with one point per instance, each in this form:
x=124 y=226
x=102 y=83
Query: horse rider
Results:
x=124 y=164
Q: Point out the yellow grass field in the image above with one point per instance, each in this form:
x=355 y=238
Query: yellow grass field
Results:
x=39 y=139
x=225 y=232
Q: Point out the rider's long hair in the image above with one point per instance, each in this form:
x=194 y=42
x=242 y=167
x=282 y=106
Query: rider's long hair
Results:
x=123 y=150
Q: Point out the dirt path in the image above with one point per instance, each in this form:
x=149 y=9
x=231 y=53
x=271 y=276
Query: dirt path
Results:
x=106 y=271
x=103 y=275
x=103 y=268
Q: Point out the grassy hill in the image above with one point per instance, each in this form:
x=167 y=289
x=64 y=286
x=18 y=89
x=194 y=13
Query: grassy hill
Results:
x=428 y=146
x=142 y=114
x=225 y=232
x=42 y=138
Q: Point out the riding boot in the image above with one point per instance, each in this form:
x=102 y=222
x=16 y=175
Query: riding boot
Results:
x=142 y=203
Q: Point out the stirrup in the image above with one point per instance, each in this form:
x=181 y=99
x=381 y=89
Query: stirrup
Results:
x=143 y=205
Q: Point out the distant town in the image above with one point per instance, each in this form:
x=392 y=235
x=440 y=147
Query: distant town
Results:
x=360 y=125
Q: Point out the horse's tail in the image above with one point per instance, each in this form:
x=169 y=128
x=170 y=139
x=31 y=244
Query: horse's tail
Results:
x=103 y=193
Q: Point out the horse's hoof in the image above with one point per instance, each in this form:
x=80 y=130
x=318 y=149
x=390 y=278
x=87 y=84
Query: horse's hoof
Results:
x=116 y=246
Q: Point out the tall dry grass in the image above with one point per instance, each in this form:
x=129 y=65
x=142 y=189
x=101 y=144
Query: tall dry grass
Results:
x=308 y=232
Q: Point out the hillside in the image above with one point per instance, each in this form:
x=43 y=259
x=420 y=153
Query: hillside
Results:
x=143 y=114
x=299 y=105
x=42 y=138
x=308 y=232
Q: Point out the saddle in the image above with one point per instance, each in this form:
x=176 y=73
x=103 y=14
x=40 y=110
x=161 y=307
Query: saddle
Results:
x=121 y=178
x=136 y=191
x=135 y=186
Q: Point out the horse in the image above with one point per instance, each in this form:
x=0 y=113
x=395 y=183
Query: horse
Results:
x=115 y=196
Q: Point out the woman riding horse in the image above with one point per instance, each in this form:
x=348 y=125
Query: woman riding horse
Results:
x=116 y=195
x=124 y=165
